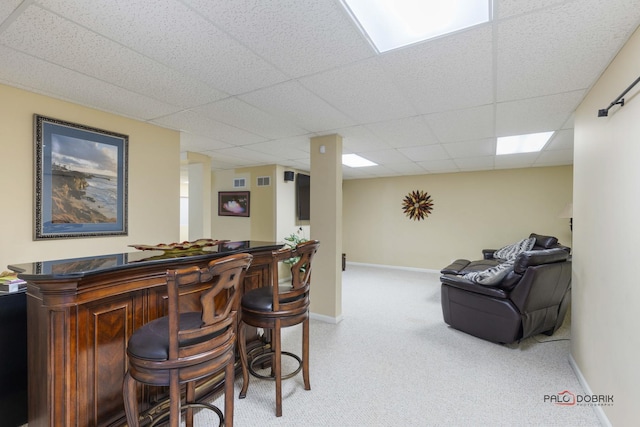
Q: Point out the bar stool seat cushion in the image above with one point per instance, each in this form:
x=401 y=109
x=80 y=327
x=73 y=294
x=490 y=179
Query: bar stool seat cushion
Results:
x=261 y=299
x=151 y=341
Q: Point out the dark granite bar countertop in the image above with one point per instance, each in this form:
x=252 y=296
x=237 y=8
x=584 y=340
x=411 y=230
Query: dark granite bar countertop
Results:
x=86 y=266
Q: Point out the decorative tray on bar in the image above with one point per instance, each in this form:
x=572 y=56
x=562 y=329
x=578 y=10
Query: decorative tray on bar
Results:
x=196 y=245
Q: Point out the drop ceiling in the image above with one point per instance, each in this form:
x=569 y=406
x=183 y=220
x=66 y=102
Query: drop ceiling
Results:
x=249 y=82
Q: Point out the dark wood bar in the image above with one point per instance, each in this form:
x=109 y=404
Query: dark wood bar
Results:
x=13 y=358
x=80 y=315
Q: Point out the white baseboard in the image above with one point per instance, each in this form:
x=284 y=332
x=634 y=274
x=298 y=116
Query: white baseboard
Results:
x=325 y=318
x=397 y=267
x=583 y=382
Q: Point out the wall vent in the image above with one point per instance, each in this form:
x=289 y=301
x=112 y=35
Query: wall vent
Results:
x=264 y=181
x=239 y=182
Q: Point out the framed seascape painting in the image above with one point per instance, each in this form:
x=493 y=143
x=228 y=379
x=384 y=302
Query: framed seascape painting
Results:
x=233 y=203
x=80 y=179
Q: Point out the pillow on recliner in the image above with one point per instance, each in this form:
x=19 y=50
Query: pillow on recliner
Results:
x=510 y=252
x=492 y=275
x=546 y=242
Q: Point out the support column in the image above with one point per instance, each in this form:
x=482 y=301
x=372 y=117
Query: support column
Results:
x=199 y=167
x=326 y=226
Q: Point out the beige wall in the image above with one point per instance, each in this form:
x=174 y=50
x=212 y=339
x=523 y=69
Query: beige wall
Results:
x=225 y=227
x=273 y=208
x=263 y=203
x=471 y=211
x=286 y=217
x=606 y=294
x=153 y=181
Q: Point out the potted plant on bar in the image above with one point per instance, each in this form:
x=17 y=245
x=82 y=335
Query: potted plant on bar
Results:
x=292 y=241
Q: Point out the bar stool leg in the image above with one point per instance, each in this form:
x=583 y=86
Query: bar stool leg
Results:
x=277 y=364
x=174 y=399
x=243 y=359
x=228 y=393
x=305 y=354
x=130 y=400
x=190 y=398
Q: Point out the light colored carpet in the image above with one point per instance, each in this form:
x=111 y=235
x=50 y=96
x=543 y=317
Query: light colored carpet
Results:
x=393 y=361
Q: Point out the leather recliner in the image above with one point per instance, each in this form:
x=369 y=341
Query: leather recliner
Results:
x=531 y=299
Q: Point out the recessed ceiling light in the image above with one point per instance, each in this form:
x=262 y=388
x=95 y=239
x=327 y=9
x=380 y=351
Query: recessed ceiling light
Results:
x=355 y=161
x=390 y=24
x=522 y=143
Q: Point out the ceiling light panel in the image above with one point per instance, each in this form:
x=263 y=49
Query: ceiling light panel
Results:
x=390 y=24
x=355 y=161
x=522 y=143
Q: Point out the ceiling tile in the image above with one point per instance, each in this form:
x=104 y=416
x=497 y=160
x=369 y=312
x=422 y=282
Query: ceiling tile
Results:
x=579 y=36
x=301 y=164
x=173 y=34
x=536 y=114
x=520 y=160
x=425 y=152
x=286 y=148
x=463 y=125
x=555 y=157
x=198 y=143
x=364 y=92
x=229 y=164
x=449 y=73
x=568 y=124
x=475 y=163
x=382 y=172
x=387 y=157
x=238 y=113
x=481 y=147
x=239 y=156
x=300 y=38
x=506 y=8
x=561 y=140
x=358 y=138
x=405 y=132
x=440 y=166
x=304 y=109
x=205 y=126
x=7 y=7
x=408 y=168
x=370 y=171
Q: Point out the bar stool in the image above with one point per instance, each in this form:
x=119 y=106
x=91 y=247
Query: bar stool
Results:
x=287 y=306
x=195 y=340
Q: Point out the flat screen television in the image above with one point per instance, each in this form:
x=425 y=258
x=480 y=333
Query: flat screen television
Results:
x=303 y=196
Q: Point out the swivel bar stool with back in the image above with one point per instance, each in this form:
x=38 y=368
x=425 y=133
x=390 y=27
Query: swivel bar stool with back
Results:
x=196 y=339
x=275 y=307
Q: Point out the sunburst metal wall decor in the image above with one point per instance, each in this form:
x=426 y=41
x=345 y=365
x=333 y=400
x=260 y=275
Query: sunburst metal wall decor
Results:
x=417 y=205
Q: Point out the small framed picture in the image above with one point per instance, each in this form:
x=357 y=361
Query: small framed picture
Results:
x=233 y=203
